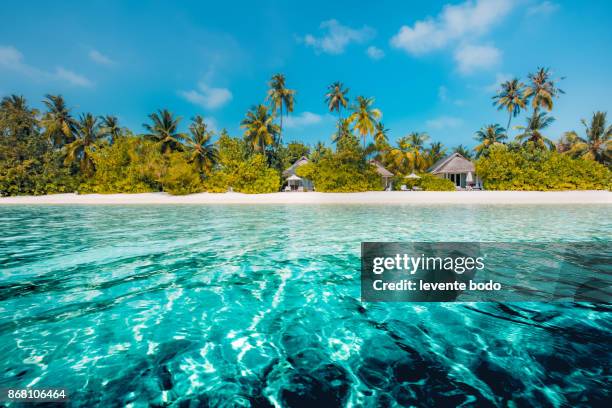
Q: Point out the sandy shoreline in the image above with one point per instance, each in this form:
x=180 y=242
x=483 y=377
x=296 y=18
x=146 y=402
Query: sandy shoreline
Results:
x=373 y=197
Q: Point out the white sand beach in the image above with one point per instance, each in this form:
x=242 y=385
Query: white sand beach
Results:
x=372 y=197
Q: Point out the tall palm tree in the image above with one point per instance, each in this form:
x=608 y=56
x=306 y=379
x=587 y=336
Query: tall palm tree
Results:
x=260 y=129
x=542 y=89
x=110 y=127
x=464 y=151
x=336 y=98
x=381 y=134
x=488 y=136
x=59 y=124
x=164 y=131
x=364 y=117
x=86 y=135
x=279 y=97
x=343 y=128
x=203 y=152
x=435 y=152
x=533 y=131
x=414 y=147
x=597 y=145
x=511 y=97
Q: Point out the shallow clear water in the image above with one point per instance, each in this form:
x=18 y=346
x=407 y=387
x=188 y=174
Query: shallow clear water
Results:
x=259 y=306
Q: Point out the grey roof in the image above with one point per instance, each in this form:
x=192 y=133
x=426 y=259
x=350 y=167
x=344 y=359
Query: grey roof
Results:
x=380 y=169
x=291 y=169
x=454 y=163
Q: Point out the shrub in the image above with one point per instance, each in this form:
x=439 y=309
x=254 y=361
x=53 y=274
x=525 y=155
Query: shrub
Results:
x=251 y=176
x=538 y=169
x=344 y=171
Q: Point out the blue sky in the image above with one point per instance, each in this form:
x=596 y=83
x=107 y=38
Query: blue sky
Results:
x=431 y=66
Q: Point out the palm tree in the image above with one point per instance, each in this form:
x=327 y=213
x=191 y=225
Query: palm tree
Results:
x=414 y=147
x=597 y=145
x=79 y=151
x=435 y=152
x=511 y=97
x=542 y=89
x=203 y=152
x=319 y=151
x=336 y=98
x=488 y=136
x=380 y=134
x=280 y=96
x=260 y=129
x=110 y=127
x=364 y=117
x=533 y=131
x=17 y=115
x=59 y=124
x=164 y=131
x=464 y=151
x=343 y=129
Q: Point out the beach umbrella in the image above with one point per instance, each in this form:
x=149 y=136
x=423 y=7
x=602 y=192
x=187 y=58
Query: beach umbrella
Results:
x=412 y=176
x=469 y=178
x=293 y=177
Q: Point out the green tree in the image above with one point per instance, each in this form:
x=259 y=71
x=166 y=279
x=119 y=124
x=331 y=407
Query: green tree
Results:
x=533 y=131
x=542 y=89
x=202 y=152
x=259 y=128
x=79 y=151
x=163 y=130
x=464 y=151
x=596 y=145
x=413 y=147
x=59 y=124
x=435 y=152
x=511 y=97
x=110 y=128
x=280 y=96
x=336 y=98
x=364 y=117
x=381 y=135
x=319 y=151
x=488 y=136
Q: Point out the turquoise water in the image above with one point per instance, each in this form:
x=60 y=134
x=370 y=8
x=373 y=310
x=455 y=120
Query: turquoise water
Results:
x=259 y=306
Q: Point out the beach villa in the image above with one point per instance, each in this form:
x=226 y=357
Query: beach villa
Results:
x=384 y=173
x=294 y=182
x=457 y=169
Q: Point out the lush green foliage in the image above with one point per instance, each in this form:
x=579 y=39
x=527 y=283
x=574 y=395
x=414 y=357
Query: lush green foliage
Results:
x=426 y=182
x=531 y=168
x=344 y=171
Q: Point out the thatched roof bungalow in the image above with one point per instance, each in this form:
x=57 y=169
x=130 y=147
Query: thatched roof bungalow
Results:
x=295 y=183
x=458 y=169
x=384 y=173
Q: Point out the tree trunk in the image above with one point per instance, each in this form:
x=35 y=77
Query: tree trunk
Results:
x=280 y=135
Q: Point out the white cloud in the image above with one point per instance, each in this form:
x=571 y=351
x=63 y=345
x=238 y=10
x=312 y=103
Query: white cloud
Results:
x=444 y=122
x=338 y=37
x=375 y=53
x=306 y=119
x=72 y=77
x=12 y=59
x=97 y=56
x=544 y=8
x=470 y=58
x=443 y=93
x=207 y=96
x=454 y=23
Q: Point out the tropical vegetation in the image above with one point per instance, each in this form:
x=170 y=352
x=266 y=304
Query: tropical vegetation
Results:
x=56 y=151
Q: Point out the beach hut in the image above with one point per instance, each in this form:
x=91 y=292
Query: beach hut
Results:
x=294 y=182
x=457 y=169
x=384 y=174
